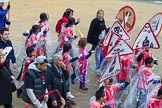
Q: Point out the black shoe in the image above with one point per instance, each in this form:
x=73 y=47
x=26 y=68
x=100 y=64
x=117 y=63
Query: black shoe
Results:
x=83 y=88
x=72 y=81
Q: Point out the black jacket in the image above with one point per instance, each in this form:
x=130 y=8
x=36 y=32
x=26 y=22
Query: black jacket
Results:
x=55 y=81
x=34 y=80
x=95 y=29
x=11 y=55
x=5 y=86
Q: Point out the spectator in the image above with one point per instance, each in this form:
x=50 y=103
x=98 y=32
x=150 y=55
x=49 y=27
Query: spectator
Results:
x=96 y=27
x=5 y=42
x=56 y=81
x=6 y=78
x=34 y=83
x=3 y=18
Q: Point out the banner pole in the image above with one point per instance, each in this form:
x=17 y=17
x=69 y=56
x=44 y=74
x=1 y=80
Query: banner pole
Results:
x=9 y=15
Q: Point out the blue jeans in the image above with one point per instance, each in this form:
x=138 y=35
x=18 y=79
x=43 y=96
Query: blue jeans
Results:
x=97 y=57
x=142 y=95
x=68 y=84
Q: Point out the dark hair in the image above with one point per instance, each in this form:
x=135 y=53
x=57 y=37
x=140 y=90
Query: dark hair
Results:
x=111 y=80
x=99 y=94
x=160 y=92
x=29 y=50
x=106 y=106
x=71 y=21
x=43 y=16
x=66 y=47
x=69 y=104
x=3 y=29
x=68 y=11
x=82 y=42
x=34 y=29
x=148 y=60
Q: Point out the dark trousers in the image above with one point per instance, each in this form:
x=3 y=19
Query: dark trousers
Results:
x=8 y=105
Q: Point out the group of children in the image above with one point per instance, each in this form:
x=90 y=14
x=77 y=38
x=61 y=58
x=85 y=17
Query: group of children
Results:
x=35 y=45
x=139 y=68
x=106 y=95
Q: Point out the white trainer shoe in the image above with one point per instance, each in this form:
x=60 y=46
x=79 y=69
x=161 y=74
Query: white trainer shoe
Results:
x=69 y=95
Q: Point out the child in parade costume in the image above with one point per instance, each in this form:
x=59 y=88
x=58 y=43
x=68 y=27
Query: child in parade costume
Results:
x=111 y=90
x=32 y=40
x=21 y=76
x=3 y=18
x=145 y=78
x=64 y=20
x=68 y=33
x=156 y=101
x=125 y=68
x=70 y=104
x=100 y=97
x=43 y=24
x=142 y=55
x=82 y=66
x=67 y=61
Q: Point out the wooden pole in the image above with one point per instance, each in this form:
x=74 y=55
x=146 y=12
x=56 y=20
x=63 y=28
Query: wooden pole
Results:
x=9 y=15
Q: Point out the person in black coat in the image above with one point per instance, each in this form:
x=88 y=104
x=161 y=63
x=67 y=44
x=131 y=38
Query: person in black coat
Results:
x=5 y=42
x=6 y=78
x=56 y=81
x=96 y=27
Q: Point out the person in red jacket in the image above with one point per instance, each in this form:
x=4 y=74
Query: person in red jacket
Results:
x=125 y=68
x=64 y=20
x=142 y=55
x=156 y=101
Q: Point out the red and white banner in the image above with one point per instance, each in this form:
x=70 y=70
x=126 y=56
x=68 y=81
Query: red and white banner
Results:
x=156 y=23
x=146 y=38
x=127 y=17
x=112 y=69
x=119 y=29
x=116 y=44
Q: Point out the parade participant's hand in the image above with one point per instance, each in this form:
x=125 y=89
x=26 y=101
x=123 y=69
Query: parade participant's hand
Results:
x=63 y=101
x=92 y=51
x=8 y=7
x=80 y=55
x=46 y=98
x=12 y=77
x=14 y=66
x=54 y=103
x=78 y=20
x=129 y=79
x=8 y=23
